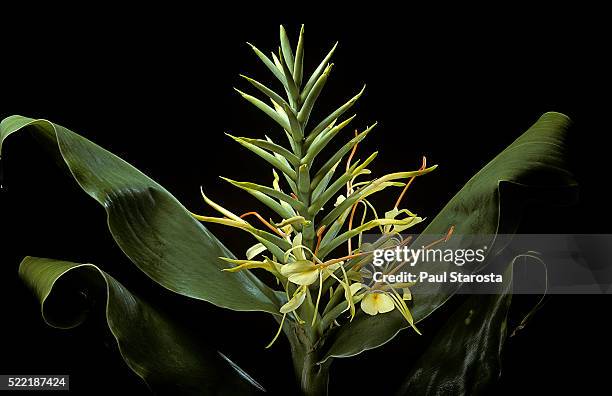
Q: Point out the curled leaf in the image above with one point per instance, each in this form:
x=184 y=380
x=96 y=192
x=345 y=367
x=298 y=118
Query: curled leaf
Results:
x=149 y=224
x=168 y=358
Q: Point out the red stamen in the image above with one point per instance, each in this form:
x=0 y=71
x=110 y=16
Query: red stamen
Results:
x=320 y=232
x=348 y=164
x=399 y=199
x=445 y=238
x=339 y=259
x=450 y=232
x=266 y=223
x=350 y=226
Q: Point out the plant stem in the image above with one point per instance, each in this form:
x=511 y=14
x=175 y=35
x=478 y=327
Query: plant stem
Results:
x=312 y=377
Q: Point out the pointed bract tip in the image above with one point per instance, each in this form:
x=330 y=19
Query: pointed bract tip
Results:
x=227 y=179
x=356 y=97
x=240 y=92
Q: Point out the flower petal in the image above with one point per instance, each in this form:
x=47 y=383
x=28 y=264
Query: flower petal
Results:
x=375 y=303
x=355 y=287
x=255 y=250
x=295 y=302
x=297 y=267
x=369 y=304
x=305 y=278
x=299 y=252
x=385 y=303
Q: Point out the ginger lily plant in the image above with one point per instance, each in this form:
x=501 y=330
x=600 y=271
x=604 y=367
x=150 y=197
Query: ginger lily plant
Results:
x=320 y=297
x=296 y=247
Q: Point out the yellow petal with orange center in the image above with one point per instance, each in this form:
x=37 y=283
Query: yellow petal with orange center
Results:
x=375 y=303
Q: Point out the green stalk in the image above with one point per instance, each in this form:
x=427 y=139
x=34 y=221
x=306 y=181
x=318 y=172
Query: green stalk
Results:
x=313 y=377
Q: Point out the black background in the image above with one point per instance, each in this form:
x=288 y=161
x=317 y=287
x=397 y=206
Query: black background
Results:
x=157 y=91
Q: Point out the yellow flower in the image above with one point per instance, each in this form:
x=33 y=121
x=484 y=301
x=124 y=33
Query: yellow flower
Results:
x=295 y=302
x=301 y=272
x=377 y=302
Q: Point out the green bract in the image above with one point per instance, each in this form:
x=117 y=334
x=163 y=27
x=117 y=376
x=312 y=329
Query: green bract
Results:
x=313 y=246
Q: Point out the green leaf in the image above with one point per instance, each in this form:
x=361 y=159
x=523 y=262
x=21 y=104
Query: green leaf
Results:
x=324 y=182
x=291 y=87
x=303 y=181
x=340 y=239
x=297 y=205
x=296 y=129
x=267 y=91
x=269 y=111
x=371 y=188
x=269 y=158
x=258 y=234
x=290 y=182
x=465 y=355
x=310 y=100
x=159 y=351
x=285 y=154
x=334 y=115
x=282 y=210
x=320 y=144
x=532 y=168
x=317 y=73
x=298 y=67
x=335 y=227
x=318 y=204
x=286 y=49
x=269 y=64
x=150 y=225
x=338 y=156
